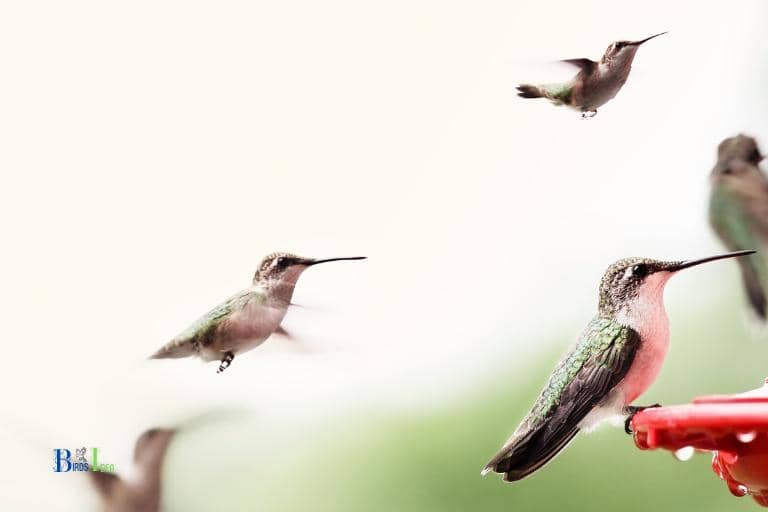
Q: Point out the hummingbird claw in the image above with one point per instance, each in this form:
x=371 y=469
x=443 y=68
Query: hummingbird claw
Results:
x=225 y=361
x=588 y=114
x=631 y=410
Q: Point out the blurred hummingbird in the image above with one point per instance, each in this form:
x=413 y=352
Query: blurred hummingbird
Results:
x=738 y=212
x=141 y=493
x=248 y=318
x=616 y=358
x=595 y=84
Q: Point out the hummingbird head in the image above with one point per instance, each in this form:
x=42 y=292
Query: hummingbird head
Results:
x=285 y=268
x=736 y=156
x=623 y=52
x=632 y=288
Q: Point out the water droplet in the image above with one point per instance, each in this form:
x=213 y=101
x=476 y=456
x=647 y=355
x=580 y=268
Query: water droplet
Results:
x=685 y=453
x=736 y=488
x=746 y=437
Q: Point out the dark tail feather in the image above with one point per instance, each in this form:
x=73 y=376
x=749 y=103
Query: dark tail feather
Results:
x=529 y=91
x=754 y=287
x=520 y=460
x=174 y=351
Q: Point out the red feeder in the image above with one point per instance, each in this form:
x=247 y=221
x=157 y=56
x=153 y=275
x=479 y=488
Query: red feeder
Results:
x=733 y=427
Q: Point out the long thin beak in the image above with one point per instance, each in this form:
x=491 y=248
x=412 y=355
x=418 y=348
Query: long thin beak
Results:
x=692 y=263
x=638 y=43
x=315 y=262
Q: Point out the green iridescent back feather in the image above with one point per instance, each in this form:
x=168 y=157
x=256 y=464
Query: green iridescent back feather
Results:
x=201 y=332
x=594 y=366
x=206 y=324
x=559 y=92
x=600 y=335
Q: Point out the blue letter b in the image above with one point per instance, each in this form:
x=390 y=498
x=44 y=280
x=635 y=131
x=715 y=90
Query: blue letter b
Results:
x=58 y=458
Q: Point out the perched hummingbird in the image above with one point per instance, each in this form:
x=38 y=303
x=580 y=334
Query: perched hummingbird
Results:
x=595 y=84
x=616 y=358
x=142 y=493
x=738 y=212
x=248 y=318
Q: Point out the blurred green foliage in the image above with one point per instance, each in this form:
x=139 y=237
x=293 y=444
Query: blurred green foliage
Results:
x=431 y=461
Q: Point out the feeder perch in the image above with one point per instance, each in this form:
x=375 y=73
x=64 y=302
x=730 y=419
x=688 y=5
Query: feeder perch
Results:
x=733 y=427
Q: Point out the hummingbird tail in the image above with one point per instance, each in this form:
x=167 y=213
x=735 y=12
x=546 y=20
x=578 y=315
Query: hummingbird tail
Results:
x=174 y=350
x=521 y=458
x=754 y=289
x=529 y=91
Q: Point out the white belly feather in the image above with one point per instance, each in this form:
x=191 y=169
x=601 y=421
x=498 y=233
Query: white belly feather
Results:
x=245 y=329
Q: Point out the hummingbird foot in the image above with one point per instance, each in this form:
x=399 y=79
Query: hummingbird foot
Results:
x=630 y=411
x=225 y=361
x=588 y=114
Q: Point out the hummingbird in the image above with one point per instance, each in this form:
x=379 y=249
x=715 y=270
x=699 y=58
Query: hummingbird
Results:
x=596 y=82
x=248 y=318
x=616 y=358
x=738 y=212
x=141 y=493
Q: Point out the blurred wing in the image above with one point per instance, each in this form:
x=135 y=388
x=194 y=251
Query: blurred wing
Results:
x=280 y=331
x=183 y=345
x=599 y=361
x=585 y=65
x=741 y=222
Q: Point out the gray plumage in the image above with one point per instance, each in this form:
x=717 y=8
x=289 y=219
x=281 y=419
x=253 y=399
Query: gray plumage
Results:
x=248 y=318
x=738 y=212
x=595 y=84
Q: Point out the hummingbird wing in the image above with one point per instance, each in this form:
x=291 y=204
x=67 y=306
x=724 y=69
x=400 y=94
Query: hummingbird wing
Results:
x=585 y=65
x=199 y=333
x=738 y=213
x=593 y=367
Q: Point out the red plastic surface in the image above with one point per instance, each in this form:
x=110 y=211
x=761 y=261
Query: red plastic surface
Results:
x=733 y=427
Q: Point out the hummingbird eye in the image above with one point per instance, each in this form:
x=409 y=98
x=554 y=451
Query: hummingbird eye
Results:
x=640 y=270
x=282 y=261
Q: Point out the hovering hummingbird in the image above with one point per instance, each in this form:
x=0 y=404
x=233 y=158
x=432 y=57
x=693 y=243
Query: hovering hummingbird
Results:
x=142 y=493
x=595 y=84
x=248 y=318
x=738 y=212
x=616 y=358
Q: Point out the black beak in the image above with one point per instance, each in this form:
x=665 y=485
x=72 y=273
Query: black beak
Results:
x=638 y=43
x=692 y=263
x=315 y=262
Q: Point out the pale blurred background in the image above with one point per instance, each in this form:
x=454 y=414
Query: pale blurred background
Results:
x=154 y=152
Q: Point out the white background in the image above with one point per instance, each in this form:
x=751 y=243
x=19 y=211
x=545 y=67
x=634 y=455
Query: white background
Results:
x=153 y=152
